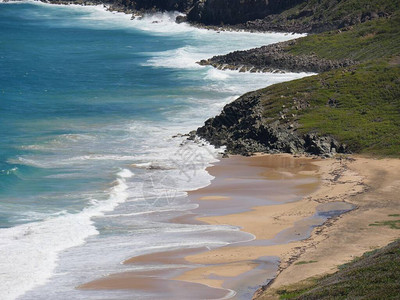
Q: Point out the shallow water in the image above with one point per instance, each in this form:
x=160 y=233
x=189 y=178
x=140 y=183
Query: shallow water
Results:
x=89 y=102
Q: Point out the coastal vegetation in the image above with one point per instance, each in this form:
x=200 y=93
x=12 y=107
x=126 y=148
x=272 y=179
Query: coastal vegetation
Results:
x=375 y=275
x=277 y=15
x=394 y=224
x=305 y=262
x=322 y=15
x=367 y=41
x=357 y=105
x=350 y=108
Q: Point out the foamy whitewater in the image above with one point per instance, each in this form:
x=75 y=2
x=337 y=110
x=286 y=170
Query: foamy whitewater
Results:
x=90 y=102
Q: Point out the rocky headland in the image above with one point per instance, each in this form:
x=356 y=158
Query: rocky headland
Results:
x=332 y=112
x=351 y=106
x=275 y=57
x=243 y=129
x=346 y=108
x=298 y=16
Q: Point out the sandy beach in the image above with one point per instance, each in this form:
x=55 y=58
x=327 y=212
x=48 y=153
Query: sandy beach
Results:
x=277 y=227
x=373 y=186
x=368 y=185
x=248 y=193
x=282 y=201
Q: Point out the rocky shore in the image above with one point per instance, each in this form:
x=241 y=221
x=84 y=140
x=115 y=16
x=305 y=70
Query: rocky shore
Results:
x=298 y=16
x=274 y=57
x=242 y=128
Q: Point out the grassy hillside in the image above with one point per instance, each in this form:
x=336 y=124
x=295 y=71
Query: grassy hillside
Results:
x=375 y=275
x=322 y=15
x=371 y=40
x=358 y=105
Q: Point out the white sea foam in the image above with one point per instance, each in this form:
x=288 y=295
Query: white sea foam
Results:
x=145 y=165
x=161 y=23
x=9 y=171
x=125 y=173
x=60 y=162
x=214 y=74
x=182 y=58
x=29 y=252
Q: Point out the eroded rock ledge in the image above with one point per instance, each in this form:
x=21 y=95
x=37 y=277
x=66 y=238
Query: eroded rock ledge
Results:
x=274 y=57
x=243 y=130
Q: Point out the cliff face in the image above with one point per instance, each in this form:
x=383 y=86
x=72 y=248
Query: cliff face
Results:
x=130 y=6
x=215 y=12
x=210 y=12
x=168 y=5
x=301 y=16
x=242 y=128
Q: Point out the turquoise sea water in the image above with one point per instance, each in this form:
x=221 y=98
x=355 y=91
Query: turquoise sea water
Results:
x=89 y=104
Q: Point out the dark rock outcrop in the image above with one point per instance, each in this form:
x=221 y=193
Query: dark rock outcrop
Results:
x=243 y=130
x=216 y=12
x=274 y=57
x=251 y=15
x=313 y=18
x=163 y=5
x=131 y=6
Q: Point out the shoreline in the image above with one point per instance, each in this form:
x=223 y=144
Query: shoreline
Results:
x=367 y=184
x=362 y=182
x=277 y=228
x=252 y=193
x=291 y=250
x=343 y=238
x=286 y=180
x=301 y=249
x=143 y=12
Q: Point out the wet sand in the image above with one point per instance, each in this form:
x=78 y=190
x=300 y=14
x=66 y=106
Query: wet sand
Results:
x=281 y=201
x=260 y=195
x=266 y=194
x=370 y=184
x=153 y=283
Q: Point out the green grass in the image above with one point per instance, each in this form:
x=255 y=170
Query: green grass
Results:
x=370 y=40
x=375 y=275
x=394 y=215
x=358 y=105
x=305 y=262
x=333 y=13
x=394 y=224
x=366 y=110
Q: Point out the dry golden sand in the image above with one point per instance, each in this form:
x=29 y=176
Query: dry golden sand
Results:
x=240 y=184
x=373 y=185
x=264 y=222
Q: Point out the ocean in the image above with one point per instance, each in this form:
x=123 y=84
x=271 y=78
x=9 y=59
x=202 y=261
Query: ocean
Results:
x=93 y=106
